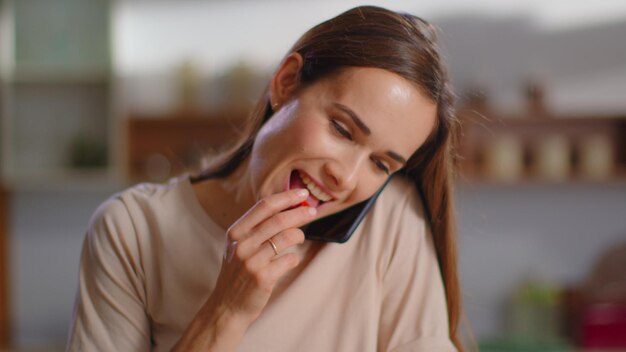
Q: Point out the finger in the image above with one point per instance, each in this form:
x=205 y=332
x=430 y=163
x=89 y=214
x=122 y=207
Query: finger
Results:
x=293 y=218
x=283 y=241
x=265 y=208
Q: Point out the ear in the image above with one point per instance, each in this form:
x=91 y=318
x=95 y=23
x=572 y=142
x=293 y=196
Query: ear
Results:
x=286 y=80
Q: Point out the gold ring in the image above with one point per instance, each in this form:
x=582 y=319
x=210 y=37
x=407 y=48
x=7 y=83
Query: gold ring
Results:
x=273 y=246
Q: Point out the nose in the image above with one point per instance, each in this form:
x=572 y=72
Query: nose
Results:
x=343 y=173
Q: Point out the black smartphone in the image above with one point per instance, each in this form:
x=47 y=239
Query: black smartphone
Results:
x=340 y=226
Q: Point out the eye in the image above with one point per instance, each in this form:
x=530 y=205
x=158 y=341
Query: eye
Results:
x=341 y=129
x=381 y=165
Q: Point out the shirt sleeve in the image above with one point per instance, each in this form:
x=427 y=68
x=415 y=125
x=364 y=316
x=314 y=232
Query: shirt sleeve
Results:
x=109 y=312
x=414 y=312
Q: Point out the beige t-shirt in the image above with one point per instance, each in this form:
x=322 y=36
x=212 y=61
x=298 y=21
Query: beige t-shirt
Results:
x=152 y=255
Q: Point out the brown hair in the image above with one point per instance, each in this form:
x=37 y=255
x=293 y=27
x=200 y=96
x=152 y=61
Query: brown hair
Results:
x=370 y=36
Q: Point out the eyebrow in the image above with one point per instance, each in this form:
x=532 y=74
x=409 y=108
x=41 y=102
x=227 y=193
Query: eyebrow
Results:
x=396 y=157
x=366 y=130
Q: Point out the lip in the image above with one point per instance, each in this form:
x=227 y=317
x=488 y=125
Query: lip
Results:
x=319 y=185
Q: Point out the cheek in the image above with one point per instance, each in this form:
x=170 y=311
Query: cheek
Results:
x=358 y=196
x=366 y=191
x=280 y=136
x=311 y=137
x=299 y=138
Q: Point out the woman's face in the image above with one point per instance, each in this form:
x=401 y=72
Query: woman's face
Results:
x=341 y=137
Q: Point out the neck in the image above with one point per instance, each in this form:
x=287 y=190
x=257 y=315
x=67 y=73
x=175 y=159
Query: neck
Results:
x=226 y=199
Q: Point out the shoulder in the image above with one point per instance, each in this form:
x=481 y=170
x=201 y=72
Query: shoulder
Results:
x=141 y=197
x=409 y=240
x=401 y=196
x=401 y=211
x=397 y=231
x=133 y=210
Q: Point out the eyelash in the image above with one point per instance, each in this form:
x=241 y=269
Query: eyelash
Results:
x=340 y=129
x=379 y=164
x=346 y=134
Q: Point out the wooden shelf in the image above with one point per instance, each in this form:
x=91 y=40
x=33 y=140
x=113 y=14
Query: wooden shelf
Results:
x=160 y=147
x=540 y=148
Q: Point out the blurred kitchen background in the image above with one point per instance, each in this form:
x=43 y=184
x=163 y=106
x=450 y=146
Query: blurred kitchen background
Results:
x=98 y=95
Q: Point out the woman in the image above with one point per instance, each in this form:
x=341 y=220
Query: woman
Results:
x=219 y=262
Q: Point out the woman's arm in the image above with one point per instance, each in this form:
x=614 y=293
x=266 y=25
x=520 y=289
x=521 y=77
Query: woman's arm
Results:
x=109 y=312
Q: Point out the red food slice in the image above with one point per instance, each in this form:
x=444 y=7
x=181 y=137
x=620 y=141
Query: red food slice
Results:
x=296 y=182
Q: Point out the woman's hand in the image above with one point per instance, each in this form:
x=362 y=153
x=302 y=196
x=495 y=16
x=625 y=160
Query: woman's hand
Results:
x=251 y=267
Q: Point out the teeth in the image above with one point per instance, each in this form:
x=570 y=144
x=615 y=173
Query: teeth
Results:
x=316 y=191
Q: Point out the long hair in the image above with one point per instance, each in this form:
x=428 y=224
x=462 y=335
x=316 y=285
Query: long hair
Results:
x=370 y=36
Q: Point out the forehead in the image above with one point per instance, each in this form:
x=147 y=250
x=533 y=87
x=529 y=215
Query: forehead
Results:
x=397 y=112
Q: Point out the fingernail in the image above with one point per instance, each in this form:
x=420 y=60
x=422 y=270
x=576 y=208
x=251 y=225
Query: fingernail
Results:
x=312 y=210
x=303 y=192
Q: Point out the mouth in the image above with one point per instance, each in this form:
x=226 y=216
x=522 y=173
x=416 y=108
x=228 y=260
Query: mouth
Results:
x=317 y=196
